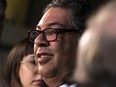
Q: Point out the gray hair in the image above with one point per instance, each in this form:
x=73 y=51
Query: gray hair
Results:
x=80 y=10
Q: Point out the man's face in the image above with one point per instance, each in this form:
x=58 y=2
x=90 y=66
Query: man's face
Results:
x=57 y=56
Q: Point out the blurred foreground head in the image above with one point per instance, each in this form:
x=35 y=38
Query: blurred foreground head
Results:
x=97 y=50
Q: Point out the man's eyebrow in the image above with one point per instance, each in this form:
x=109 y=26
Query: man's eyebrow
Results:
x=56 y=23
x=52 y=24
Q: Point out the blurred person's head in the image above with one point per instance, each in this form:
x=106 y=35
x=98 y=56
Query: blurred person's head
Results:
x=21 y=69
x=97 y=50
x=103 y=14
x=56 y=38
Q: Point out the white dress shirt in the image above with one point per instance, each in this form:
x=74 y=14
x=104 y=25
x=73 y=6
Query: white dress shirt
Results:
x=65 y=85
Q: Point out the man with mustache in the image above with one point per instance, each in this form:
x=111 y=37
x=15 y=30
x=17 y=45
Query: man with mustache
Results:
x=56 y=38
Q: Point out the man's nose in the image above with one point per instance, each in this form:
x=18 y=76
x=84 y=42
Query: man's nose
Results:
x=41 y=40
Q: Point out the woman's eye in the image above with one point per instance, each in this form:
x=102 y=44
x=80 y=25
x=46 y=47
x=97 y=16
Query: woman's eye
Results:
x=32 y=62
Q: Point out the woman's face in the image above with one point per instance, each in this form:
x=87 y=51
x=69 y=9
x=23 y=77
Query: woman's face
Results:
x=28 y=73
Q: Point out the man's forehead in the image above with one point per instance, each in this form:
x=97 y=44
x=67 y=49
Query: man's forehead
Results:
x=55 y=20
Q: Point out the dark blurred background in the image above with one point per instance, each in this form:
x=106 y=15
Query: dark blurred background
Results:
x=21 y=16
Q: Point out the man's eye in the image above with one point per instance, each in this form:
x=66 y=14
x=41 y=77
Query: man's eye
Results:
x=50 y=32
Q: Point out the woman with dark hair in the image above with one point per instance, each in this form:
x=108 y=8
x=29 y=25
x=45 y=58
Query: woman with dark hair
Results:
x=21 y=69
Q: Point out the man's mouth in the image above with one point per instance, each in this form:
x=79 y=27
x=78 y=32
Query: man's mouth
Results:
x=43 y=57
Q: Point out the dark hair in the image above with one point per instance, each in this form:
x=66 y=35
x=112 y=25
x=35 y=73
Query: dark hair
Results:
x=12 y=64
x=80 y=10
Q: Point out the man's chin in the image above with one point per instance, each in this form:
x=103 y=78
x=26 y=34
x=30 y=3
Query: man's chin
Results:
x=47 y=73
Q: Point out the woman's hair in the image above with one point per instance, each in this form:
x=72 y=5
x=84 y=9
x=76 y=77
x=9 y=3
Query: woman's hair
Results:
x=14 y=58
